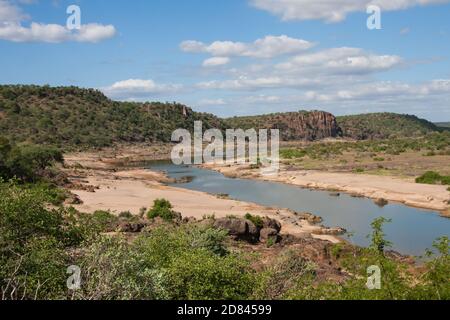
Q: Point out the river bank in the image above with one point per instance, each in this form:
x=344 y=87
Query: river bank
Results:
x=390 y=188
x=105 y=186
x=407 y=192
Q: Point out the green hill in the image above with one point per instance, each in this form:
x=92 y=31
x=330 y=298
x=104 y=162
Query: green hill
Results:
x=74 y=117
x=384 y=125
x=71 y=117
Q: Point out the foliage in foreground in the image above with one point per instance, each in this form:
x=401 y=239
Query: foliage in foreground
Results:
x=190 y=261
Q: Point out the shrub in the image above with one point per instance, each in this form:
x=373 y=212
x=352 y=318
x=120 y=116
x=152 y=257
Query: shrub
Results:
x=432 y=177
x=33 y=243
x=198 y=275
x=103 y=221
x=125 y=215
x=113 y=269
x=256 y=220
x=161 y=208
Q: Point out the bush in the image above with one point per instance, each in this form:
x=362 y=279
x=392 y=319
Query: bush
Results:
x=112 y=269
x=432 y=177
x=256 y=220
x=103 y=221
x=33 y=243
x=198 y=275
x=161 y=208
x=26 y=162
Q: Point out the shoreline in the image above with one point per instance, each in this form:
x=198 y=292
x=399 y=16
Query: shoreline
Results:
x=132 y=189
x=427 y=197
x=434 y=198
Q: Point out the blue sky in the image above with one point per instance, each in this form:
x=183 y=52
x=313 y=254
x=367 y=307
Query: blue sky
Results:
x=238 y=57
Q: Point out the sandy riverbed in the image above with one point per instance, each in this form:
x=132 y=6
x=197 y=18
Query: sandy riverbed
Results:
x=131 y=190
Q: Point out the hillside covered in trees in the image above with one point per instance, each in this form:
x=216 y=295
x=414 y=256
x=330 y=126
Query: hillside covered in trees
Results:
x=384 y=125
x=73 y=117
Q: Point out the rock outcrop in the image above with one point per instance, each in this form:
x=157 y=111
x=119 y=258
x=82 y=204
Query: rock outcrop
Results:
x=314 y=125
x=239 y=229
x=246 y=230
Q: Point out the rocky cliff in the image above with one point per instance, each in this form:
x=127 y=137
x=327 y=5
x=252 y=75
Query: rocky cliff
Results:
x=301 y=125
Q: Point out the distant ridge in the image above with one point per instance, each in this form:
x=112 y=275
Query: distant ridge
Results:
x=72 y=117
x=443 y=124
x=384 y=125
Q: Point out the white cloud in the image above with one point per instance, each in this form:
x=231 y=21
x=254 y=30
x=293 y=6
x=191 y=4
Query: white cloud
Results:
x=216 y=61
x=138 y=88
x=12 y=29
x=268 y=47
x=212 y=102
x=332 y=10
x=340 y=60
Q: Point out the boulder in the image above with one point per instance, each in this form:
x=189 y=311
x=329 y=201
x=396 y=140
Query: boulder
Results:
x=239 y=229
x=73 y=199
x=381 y=202
x=337 y=231
x=131 y=227
x=310 y=217
x=269 y=234
x=271 y=224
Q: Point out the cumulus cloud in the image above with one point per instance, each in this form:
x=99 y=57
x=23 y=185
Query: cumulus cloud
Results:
x=332 y=10
x=12 y=29
x=341 y=60
x=138 y=88
x=212 y=102
x=267 y=47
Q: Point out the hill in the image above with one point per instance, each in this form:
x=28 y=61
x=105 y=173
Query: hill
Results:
x=384 y=125
x=445 y=125
x=302 y=125
x=74 y=117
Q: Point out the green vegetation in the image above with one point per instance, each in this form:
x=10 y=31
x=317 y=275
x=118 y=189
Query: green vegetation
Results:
x=384 y=126
x=432 y=177
x=161 y=208
x=438 y=143
x=70 y=117
x=256 y=220
x=27 y=162
x=190 y=261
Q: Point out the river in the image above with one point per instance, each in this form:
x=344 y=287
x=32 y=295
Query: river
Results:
x=411 y=231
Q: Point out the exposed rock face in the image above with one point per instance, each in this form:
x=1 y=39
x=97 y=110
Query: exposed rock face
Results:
x=309 y=217
x=307 y=125
x=132 y=227
x=271 y=224
x=301 y=125
x=269 y=234
x=240 y=229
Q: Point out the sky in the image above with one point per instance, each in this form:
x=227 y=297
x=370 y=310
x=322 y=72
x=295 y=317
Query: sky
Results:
x=238 y=57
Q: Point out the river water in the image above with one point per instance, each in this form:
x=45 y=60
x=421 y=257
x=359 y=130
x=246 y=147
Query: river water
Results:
x=411 y=231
